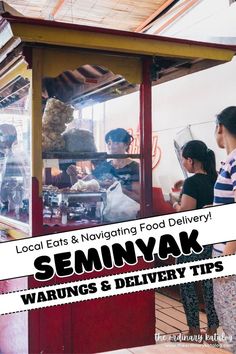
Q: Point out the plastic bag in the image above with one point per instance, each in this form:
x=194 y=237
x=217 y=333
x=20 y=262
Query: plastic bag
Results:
x=119 y=207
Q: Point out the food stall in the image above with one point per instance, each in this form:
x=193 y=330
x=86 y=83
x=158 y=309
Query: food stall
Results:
x=50 y=74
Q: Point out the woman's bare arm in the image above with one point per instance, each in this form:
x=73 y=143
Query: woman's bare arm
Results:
x=187 y=203
x=230 y=248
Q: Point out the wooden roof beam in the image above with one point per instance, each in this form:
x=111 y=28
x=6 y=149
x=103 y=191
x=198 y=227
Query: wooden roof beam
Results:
x=189 y=4
x=56 y=8
x=168 y=13
x=154 y=15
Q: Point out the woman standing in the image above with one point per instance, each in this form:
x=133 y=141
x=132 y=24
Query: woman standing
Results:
x=196 y=193
x=224 y=193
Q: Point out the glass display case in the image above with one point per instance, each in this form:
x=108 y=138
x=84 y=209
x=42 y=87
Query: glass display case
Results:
x=88 y=170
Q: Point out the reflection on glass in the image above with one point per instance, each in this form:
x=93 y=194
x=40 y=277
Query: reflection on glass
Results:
x=15 y=150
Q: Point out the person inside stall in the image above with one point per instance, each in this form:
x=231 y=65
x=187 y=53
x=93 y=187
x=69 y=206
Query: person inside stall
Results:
x=125 y=170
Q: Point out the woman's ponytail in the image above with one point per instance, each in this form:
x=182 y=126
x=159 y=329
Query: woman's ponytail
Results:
x=197 y=150
x=209 y=165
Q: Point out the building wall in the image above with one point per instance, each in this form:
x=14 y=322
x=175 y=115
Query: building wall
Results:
x=193 y=101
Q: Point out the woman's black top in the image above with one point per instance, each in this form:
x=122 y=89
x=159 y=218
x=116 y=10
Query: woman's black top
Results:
x=201 y=188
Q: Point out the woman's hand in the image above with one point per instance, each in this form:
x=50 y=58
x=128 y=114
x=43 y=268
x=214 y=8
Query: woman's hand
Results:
x=178 y=185
x=173 y=198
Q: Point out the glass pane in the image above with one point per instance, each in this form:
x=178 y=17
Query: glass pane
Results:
x=14 y=327
x=15 y=150
x=90 y=147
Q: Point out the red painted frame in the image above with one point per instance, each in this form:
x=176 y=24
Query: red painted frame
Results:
x=146 y=138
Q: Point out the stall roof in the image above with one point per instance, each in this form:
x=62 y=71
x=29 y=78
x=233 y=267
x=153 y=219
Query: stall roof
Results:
x=172 y=57
x=63 y=34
